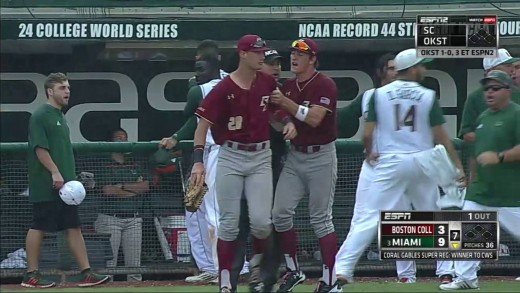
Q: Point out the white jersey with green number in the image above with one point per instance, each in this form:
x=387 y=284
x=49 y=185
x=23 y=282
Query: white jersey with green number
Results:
x=403 y=116
x=206 y=88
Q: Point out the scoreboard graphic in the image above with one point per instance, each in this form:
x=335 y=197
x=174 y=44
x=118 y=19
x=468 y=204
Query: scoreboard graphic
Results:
x=455 y=36
x=459 y=235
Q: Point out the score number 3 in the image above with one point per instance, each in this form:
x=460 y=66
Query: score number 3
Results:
x=408 y=120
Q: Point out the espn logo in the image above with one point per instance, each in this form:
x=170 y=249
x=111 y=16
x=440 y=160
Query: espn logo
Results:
x=433 y=19
x=490 y=20
x=398 y=216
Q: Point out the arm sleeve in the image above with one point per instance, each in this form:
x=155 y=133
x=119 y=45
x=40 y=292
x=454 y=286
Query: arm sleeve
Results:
x=469 y=115
x=355 y=108
x=347 y=118
x=436 y=115
x=193 y=100
x=326 y=95
x=213 y=106
x=192 y=82
x=37 y=134
x=517 y=126
x=371 y=115
x=187 y=130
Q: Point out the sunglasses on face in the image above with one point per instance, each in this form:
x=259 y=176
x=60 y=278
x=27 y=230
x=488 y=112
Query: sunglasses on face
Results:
x=302 y=46
x=494 y=88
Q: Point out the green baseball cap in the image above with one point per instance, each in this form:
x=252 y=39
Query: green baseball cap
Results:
x=499 y=76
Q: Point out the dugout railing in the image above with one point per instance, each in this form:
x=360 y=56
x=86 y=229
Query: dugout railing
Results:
x=165 y=246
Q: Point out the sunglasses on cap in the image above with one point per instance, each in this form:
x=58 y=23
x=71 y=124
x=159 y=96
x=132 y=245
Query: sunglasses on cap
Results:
x=302 y=46
x=495 y=88
x=259 y=44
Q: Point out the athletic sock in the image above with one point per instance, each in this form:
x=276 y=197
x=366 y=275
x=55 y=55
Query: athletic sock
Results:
x=288 y=240
x=258 y=245
x=226 y=256
x=329 y=248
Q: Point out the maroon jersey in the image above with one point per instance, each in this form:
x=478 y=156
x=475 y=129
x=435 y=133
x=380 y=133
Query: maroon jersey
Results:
x=238 y=114
x=320 y=90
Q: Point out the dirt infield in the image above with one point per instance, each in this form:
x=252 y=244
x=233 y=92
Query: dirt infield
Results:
x=153 y=283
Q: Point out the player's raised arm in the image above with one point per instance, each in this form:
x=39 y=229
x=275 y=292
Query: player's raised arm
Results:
x=312 y=115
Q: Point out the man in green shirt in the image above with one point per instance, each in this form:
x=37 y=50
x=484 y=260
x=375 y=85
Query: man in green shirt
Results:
x=475 y=103
x=497 y=150
x=51 y=164
x=124 y=184
x=516 y=73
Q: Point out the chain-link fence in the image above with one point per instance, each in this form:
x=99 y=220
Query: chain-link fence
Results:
x=144 y=222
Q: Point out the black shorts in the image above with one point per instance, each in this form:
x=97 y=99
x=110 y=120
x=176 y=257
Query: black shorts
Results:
x=53 y=216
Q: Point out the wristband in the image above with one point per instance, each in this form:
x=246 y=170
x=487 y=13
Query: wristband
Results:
x=301 y=113
x=198 y=154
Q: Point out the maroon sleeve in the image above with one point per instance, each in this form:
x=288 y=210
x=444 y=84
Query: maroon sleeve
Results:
x=212 y=106
x=326 y=95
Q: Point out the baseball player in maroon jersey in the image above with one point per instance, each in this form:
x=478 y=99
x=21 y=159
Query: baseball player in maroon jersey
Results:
x=238 y=112
x=311 y=164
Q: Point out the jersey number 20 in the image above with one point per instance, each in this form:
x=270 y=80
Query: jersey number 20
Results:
x=235 y=123
x=408 y=120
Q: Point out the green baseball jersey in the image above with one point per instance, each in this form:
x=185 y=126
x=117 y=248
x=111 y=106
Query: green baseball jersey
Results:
x=114 y=173
x=497 y=185
x=48 y=129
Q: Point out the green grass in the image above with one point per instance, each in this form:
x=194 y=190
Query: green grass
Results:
x=491 y=286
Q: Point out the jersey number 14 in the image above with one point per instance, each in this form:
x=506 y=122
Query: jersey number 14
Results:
x=407 y=121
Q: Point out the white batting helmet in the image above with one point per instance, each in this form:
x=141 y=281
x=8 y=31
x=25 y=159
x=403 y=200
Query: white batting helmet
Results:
x=72 y=192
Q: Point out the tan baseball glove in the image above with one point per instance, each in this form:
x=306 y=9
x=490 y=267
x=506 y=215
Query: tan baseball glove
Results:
x=194 y=196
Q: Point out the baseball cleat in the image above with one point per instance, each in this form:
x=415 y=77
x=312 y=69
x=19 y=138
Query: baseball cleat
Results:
x=324 y=288
x=460 y=285
x=517 y=279
x=406 y=281
x=446 y=279
x=290 y=280
x=256 y=287
x=225 y=290
x=202 y=278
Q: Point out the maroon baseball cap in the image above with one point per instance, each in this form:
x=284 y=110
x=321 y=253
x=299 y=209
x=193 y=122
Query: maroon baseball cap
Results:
x=305 y=45
x=252 y=43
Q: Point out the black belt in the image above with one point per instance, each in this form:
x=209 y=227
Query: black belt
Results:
x=247 y=147
x=125 y=215
x=307 y=149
